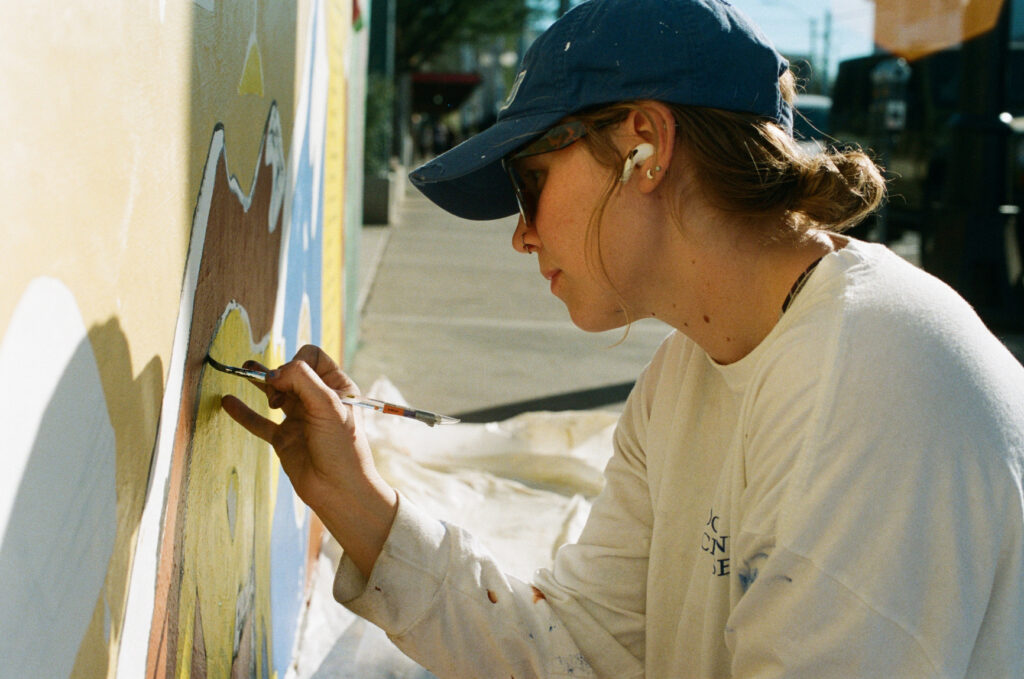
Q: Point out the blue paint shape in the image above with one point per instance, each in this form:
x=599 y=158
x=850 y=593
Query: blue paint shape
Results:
x=303 y=280
x=287 y=573
x=304 y=263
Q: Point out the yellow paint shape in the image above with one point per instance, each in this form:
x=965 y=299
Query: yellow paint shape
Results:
x=225 y=570
x=333 y=298
x=252 y=72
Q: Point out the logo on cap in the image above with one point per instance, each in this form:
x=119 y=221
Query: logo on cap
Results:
x=515 y=90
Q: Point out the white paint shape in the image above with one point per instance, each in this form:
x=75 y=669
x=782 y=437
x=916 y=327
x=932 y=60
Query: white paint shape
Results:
x=274 y=158
x=312 y=99
x=58 y=498
x=312 y=93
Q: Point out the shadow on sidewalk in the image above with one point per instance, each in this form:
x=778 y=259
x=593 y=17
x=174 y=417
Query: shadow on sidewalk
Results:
x=582 y=399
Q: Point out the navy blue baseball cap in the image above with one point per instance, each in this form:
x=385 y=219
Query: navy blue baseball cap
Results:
x=690 y=52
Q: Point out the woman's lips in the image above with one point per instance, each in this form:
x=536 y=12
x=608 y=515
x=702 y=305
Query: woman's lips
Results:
x=552 y=275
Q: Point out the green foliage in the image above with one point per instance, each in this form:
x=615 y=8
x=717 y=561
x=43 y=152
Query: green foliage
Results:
x=427 y=28
x=380 y=95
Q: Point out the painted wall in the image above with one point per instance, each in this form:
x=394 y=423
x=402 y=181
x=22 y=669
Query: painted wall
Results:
x=177 y=179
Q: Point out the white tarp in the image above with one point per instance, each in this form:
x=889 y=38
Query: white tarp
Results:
x=522 y=487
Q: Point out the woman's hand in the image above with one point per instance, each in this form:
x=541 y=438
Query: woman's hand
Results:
x=324 y=451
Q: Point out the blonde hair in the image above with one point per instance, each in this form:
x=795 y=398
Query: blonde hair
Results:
x=750 y=166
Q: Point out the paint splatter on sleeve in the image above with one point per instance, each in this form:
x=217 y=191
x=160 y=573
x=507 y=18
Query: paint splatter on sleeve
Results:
x=444 y=601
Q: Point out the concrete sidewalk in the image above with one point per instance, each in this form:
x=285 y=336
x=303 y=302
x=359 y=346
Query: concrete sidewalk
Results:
x=464 y=325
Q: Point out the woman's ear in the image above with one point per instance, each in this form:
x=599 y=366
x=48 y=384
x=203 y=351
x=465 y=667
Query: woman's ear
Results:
x=653 y=127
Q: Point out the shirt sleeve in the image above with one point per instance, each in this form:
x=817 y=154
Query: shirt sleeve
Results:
x=598 y=585
x=442 y=598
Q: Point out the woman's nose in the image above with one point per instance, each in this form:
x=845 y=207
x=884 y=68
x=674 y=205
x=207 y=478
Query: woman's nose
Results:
x=523 y=237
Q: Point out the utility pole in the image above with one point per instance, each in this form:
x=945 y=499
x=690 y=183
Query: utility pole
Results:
x=819 y=61
x=826 y=48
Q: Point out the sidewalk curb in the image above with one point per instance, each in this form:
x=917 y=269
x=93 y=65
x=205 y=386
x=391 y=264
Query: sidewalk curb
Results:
x=375 y=240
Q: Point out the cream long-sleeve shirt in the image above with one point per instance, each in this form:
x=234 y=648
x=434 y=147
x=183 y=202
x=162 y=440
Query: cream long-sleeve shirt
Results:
x=845 y=501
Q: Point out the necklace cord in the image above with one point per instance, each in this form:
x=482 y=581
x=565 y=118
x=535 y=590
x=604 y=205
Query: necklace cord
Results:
x=798 y=285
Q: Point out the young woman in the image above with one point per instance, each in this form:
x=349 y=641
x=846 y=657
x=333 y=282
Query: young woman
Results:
x=818 y=474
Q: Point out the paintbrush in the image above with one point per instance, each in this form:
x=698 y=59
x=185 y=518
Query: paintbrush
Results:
x=424 y=416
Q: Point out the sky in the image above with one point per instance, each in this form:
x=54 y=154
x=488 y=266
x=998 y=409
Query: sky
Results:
x=797 y=27
x=793 y=24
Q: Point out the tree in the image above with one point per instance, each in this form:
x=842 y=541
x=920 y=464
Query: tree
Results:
x=425 y=29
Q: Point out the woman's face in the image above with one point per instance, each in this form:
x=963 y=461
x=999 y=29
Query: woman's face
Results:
x=568 y=185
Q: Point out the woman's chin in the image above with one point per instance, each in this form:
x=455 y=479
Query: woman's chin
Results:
x=588 y=321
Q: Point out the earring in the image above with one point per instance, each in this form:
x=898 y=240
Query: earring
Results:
x=650 y=172
x=635 y=157
x=526 y=247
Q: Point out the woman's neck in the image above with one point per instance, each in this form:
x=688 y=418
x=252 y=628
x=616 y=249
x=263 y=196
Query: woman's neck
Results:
x=727 y=299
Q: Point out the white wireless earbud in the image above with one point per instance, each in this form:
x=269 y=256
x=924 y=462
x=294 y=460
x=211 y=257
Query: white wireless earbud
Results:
x=635 y=157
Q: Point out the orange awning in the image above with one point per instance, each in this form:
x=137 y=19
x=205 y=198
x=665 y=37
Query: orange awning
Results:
x=915 y=28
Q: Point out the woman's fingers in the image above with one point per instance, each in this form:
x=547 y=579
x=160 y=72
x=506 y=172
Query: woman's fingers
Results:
x=255 y=365
x=302 y=388
x=321 y=364
x=254 y=422
x=271 y=393
x=311 y=407
x=325 y=367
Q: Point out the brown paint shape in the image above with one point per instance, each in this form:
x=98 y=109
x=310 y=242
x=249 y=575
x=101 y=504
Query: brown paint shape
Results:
x=239 y=263
x=232 y=501
x=198 y=645
x=538 y=595
x=492 y=596
x=243 y=665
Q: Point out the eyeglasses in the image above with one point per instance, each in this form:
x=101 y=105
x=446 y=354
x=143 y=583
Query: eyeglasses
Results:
x=527 y=192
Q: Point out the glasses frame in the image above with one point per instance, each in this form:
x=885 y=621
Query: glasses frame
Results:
x=556 y=138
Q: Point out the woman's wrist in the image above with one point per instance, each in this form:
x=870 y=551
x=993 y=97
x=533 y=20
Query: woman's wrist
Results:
x=361 y=526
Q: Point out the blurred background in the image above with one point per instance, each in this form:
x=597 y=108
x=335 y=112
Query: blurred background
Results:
x=932 y=88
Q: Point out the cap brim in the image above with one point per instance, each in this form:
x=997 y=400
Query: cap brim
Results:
x=469 y=181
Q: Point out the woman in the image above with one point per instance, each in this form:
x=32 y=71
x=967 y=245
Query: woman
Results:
x=818 y=474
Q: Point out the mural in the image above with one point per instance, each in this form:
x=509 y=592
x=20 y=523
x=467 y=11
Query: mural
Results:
x=180 y=192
